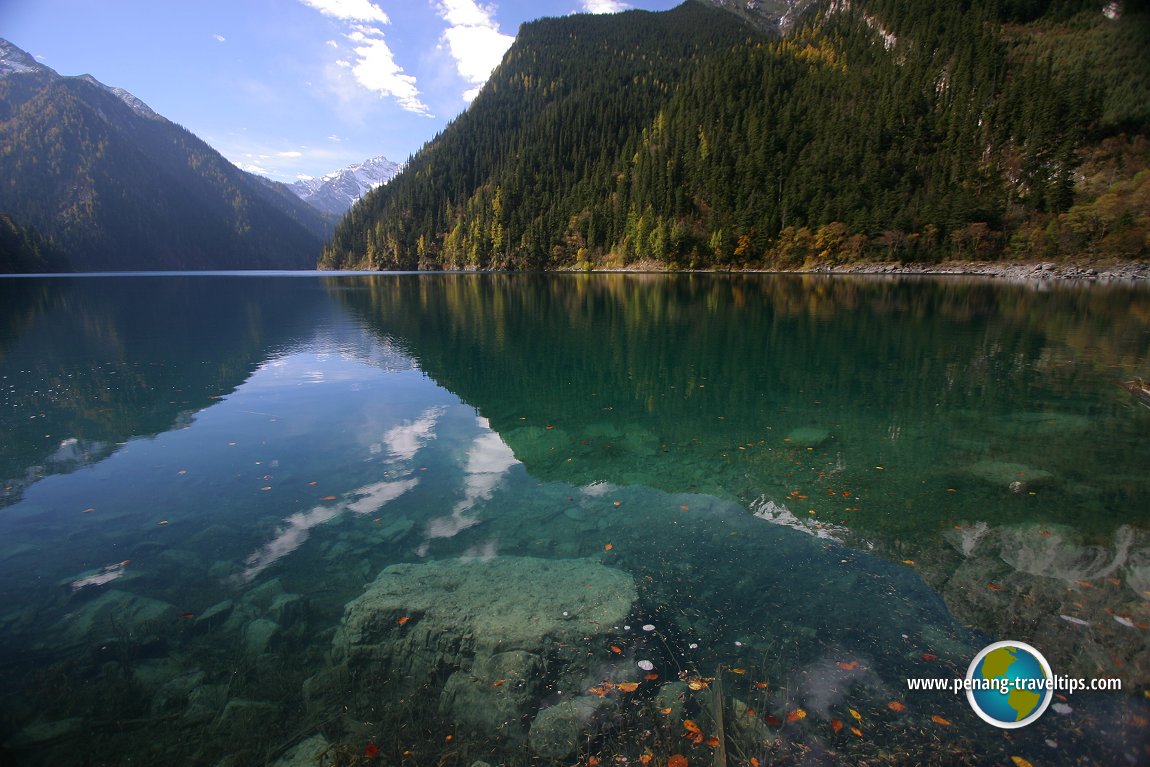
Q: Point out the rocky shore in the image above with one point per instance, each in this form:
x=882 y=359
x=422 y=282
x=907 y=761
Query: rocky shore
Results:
x=1124 y=272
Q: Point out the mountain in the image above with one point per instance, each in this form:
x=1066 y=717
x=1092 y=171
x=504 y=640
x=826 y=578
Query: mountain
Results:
x=338 y=191
x=110 y=185
x=869 y=129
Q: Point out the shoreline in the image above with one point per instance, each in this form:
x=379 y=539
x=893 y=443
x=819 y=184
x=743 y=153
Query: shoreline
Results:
x=1127 y=271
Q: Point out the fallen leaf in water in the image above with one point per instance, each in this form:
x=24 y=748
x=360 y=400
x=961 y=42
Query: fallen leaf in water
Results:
x=1020 y=761
x=265 y=489
x=837 y=725
x=313 y=483
x=738 y=671
x=646 y=758
x=849 y=665
x=856 y=714
x=498 y=682
x=796 y=714
x=754 y=762
x=929 y=657
x=618 y=503
x=627 y=686
x=940 y=720
x=1084 y=584
x=403 y=619
x=370 y=751
x=608 y=546
x=690 y=726
x=592 y=761
x=650 y=677
x=328 y=498
x=1115 y=581
x=186 y=616
x=773 y=721
x=762 y=685
x=665 y=711
x=677 y=760
x=908 y=561
x=994 y=587
x=685 y=508
x=712 y=741
x=698 y=684
x=616 y=650
x=602 y=689
x=895 y=706
x=856 y=731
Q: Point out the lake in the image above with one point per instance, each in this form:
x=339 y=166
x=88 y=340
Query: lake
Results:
x=438 y=519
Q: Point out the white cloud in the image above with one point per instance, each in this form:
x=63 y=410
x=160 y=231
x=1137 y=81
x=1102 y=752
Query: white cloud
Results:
x=474 y=41
x=349 y=10
x=372 y=63
x=291 y=153
x=604 y=6
x=219 y=38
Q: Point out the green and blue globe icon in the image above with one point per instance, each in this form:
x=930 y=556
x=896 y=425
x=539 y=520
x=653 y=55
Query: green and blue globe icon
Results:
x=1009 y=684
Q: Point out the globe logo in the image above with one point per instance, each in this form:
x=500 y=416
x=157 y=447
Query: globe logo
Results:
x=1009 y=684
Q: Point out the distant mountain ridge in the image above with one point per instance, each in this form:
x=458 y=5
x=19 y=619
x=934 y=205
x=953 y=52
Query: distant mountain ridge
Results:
x=106 y=184
x=336 y=192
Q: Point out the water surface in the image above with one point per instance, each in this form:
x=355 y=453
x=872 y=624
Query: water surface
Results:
x=815 y=487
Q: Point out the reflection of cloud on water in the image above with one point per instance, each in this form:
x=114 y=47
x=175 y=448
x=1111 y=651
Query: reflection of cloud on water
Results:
x=488 y=461
x=405 y=440
x=296 y=528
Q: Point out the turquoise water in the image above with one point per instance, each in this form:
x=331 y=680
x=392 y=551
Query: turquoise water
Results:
x=814 y=489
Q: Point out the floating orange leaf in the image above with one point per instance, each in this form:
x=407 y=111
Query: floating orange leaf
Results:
x=940 y=720
x=837 y=725
x=646 y=758
x=773 y=721
x=617 y=650
x=329 y=498
x=994 y=587
x=856 y=714
x=608 y=546
x=690 y=726
x=761 y=685
x=849 y=665
x=403 y=619
x=665 y=711
x=1020 y=761
x=929 y=657
x=895 y=706
x=738 y=671
x=498 y=682
x=677 y=760
x=856 y=731
x=618 y=503
x=698 y=684
x=602 y=689
x=627 y=686
x=712 y=741
x=754 y=762
x=796 y=714
x=685 y=508
x=651 y=677
x=908 y=561
x=592 y=761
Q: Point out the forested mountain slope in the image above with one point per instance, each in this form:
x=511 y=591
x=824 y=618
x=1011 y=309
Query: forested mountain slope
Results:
x=871 y=129
x=110 y=185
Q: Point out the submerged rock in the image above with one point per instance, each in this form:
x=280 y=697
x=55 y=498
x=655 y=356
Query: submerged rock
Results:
x=808 y=436
x=558 y=730
x=501 y=631
x=1015 y=477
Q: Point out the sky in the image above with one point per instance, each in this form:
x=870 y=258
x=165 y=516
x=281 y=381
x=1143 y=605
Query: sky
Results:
x=290 y=88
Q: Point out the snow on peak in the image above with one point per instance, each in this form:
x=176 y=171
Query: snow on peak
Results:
x=13 y=60
x=337 y=191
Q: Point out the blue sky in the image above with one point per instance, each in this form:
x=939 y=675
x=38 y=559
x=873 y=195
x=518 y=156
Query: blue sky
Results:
x=289 y=88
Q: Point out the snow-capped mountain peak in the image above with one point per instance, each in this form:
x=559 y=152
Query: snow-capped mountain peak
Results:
x=337 y=191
